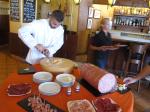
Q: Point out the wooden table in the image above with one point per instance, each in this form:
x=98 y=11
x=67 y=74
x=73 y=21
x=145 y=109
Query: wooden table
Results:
x=9 y=103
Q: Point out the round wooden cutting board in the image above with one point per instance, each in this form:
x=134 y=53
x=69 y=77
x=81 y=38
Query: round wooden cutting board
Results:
x=57 y=65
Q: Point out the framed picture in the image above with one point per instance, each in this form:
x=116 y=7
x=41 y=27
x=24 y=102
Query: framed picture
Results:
x=89 y=24
x=91 y=11
x=97 y=14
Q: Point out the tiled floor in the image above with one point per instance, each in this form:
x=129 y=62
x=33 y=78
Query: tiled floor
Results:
x=9 y=64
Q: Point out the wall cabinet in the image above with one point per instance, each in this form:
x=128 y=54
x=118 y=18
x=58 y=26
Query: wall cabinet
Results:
x=132 y=3
x=104 y=2
x=131 y=19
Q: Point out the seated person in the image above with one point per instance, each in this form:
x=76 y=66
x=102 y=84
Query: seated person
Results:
x=101 y=43
x=145 y=71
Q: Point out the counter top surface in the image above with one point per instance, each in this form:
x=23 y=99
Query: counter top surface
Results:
x=130 y=36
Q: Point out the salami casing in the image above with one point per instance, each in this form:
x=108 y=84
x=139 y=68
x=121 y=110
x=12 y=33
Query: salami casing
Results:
x=98 y=78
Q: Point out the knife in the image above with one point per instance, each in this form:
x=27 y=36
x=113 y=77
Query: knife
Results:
x=46 y=54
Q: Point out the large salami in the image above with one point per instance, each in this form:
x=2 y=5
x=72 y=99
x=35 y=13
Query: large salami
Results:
x=98 y=78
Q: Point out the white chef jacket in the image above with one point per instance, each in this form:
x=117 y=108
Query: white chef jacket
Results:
x=39 y=32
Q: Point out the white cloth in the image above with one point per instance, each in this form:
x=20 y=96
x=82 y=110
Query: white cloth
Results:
x=40 y=32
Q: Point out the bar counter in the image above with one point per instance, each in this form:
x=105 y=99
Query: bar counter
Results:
x=143 y=38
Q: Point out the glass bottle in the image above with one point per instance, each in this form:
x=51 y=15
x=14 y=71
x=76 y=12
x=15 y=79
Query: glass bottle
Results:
x=68 y=91
x=77 y=87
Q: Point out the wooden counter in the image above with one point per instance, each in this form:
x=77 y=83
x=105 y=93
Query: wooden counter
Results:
x=143 y=38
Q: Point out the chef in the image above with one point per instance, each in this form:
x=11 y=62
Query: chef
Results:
x=43 y=37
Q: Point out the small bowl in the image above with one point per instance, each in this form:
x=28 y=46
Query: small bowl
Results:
x=40 y=77
x=65 y=80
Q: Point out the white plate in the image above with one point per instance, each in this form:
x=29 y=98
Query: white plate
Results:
x=49 y=88
x=65 y=80
x=40 y=77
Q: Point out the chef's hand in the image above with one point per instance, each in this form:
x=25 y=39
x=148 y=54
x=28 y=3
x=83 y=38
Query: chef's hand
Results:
x=129 y=80
x=42 y=49
x=46 y=52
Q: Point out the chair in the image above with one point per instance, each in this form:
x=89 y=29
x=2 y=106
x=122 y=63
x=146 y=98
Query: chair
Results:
x=135 y=60
x=148 y=79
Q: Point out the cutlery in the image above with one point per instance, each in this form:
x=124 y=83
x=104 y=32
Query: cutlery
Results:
x=94 y=105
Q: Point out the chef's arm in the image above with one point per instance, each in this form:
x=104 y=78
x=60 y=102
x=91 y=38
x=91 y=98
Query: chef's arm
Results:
x=26 y=32
x=57 y=44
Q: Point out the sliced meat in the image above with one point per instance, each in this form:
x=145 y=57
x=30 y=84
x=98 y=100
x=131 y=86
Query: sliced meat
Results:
x=19 y=89
x=106 y=105
x=80 y=106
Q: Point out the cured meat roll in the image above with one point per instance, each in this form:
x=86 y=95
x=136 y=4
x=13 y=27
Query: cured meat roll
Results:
x=98 y=78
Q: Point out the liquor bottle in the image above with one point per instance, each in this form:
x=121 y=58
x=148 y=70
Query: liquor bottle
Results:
x=142 y=22
x=127 y=21
x=130 y=24
x=115 y=20
x=120 y=21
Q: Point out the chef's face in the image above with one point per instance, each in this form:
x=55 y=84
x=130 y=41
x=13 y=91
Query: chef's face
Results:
x=54 y=23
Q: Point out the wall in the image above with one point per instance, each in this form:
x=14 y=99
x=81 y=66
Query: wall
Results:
x=106 y=12
x=4 y=0
x=14 y=26
x=82 y=22
x=83 y=32
x=71 y=18
x=4 y=8
x=71 y=12
x=4 y=22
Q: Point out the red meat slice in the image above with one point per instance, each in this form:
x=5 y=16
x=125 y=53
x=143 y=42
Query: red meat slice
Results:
x=19 y=89
x=106 y=105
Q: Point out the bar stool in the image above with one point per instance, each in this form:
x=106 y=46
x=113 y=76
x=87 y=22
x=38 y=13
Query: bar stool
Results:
x=135 y=61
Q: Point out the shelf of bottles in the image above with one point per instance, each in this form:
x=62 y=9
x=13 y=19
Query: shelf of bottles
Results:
x=131 y=17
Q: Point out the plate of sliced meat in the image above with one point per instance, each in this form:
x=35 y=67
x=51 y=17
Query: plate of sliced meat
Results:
x=35 y=103
x=80 y=106
x=19 y=89
x=106 y=105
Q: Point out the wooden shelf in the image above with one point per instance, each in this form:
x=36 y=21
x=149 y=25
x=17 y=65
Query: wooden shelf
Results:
x=129 y=15
x=115 y=25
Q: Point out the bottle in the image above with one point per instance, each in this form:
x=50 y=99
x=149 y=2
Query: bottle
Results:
x=69 y=91
x=115 y=20
x=142 y=22
x=78 y=87
x=130 y=24
x=127 y=21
